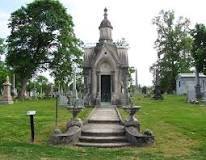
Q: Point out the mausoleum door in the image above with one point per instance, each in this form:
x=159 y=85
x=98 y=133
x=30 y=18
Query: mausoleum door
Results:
x=105 y=88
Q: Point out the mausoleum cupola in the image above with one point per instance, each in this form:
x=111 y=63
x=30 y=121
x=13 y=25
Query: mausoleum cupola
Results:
x=105 y=29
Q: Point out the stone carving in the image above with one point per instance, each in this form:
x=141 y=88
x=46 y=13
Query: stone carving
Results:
x=63 y=100
x=191 y=95
x=132 y=128
x=73 y=130
x=71 y=136
x=6 y=97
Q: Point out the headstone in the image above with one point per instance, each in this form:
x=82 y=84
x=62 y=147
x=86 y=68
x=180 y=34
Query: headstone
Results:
x=7 y=98
x=191 y=95
x=51 y=94
x=203 y=96
x=63 y=100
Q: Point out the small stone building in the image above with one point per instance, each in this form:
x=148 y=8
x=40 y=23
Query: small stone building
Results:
x=187 y=81
x=106 y=69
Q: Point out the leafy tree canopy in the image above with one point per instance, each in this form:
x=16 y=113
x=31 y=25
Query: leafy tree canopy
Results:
x=173 y=46
x=2 y=46
x=199 y=47
x=42 y=38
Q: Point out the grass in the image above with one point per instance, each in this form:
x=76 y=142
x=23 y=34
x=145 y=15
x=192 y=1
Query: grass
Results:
x=179 y=128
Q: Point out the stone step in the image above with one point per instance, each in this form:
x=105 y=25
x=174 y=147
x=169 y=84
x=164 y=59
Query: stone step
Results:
x=109 y=139
x=103 y=121
x=93 y=129
x=103 y=134
x=103 y=145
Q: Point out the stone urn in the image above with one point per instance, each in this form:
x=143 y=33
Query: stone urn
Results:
x=131 y=120
x=132 y=110
x=75 y=109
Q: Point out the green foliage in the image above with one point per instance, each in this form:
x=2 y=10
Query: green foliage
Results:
x=199 y=47
x=173 y=46
x=41 y=85
x=2 y=46
x=42 y=37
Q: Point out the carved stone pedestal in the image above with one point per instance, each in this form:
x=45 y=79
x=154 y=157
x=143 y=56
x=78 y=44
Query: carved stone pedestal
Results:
x=6 y=97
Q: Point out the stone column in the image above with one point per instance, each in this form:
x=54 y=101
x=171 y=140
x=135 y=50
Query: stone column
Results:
x=98 y=99
x=6 y=98
x=125 y=78
x=93 y=87
x=115 y=87
x=112 y=81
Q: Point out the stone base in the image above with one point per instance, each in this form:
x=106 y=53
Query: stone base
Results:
x=6 y=102
x=138 y=139
x=135 y=124
x=71 y=136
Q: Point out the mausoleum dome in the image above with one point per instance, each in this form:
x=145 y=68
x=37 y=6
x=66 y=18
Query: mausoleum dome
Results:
x=105 y=29
x=105 y=22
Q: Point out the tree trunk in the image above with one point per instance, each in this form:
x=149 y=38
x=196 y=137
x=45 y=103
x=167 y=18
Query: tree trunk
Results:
x=197 y=87
x=23 y=88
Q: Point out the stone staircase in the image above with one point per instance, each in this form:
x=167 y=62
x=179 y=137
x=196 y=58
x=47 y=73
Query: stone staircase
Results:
x=103 y=130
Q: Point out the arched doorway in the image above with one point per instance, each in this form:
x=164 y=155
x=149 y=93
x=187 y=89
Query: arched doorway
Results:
x=106 y=81
x=105 y=88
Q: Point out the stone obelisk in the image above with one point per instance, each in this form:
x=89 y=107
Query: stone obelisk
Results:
x=6 y=97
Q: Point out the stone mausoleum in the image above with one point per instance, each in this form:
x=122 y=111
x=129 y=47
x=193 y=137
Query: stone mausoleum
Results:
x=106 y=69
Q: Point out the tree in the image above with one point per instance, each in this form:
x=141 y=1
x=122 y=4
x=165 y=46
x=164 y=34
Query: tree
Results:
x=2 y=46
x=199 y=47
x=40 y=84
x=199 y=52
x=173 y=46
x=42 y=38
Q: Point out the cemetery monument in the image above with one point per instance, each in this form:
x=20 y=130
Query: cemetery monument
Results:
x=106 y=69
x=6 y=97
x=106 y=76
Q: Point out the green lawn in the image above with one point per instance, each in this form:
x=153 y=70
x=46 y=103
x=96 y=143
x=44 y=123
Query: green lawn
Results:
x=179 y=128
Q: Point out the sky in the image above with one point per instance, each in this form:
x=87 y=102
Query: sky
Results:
x=131 y=19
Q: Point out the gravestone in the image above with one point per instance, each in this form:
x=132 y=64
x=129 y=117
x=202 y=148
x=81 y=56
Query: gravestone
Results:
x=203 y=96
x=191 y=96
x=6 y=97
x=63 y=100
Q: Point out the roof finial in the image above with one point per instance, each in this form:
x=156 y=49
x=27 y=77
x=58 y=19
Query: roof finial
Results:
x=105 y=13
